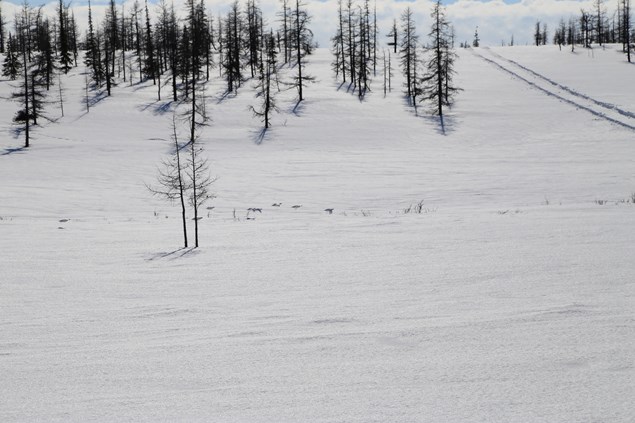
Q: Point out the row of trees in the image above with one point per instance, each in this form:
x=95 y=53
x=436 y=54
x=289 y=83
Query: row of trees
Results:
x=128 y=45
x=592 y=27
x=184 y=50
x=187 y=50
x=38 y=48
x=355 y=45
x=428 y=70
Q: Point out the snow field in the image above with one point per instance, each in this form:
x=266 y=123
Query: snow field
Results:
x=510 y=299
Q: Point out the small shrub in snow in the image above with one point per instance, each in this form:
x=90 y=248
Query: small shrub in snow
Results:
x=418 y=209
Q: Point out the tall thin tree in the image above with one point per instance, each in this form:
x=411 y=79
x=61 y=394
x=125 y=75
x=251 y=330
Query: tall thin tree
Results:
x=438 y=87
x=303 y=39
x=407 y=50
x=172 y=181
x=626 y=27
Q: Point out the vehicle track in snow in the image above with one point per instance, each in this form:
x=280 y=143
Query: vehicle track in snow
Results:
x=601 y=109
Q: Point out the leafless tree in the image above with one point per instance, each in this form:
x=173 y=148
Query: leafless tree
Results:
x=199 y=180
x=171 y=179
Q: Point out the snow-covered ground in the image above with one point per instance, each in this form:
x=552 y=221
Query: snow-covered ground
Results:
x=509 y=299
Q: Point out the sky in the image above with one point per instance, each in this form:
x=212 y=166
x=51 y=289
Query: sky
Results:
x=497 y=20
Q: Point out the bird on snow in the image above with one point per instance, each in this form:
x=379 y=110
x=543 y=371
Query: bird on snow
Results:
x=276 y=204
x=329 y=211
x=297 y=206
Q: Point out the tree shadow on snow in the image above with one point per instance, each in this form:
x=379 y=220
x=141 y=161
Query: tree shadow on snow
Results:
x=173 y=255
x=444 y=125
x=140 y=85
x=338 y=87
x=17 y=132
x=224 y=96
x=259 y=135
x=412 y=108
x=407 y=103
x=8 y=151
x=298 y=108
x=345 y=86
x=98 y=96
x=158 y=107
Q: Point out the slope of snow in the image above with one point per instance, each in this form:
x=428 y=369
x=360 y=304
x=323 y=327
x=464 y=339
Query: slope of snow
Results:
x=509 y=299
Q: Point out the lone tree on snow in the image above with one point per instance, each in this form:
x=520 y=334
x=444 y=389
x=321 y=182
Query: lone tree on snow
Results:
x=477 y=41
x=173 y=185
x=185 y=178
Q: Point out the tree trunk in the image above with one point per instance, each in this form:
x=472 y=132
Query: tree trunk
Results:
x=194 y=191
x=181 y=188
x=298 y=37
x=26 y=97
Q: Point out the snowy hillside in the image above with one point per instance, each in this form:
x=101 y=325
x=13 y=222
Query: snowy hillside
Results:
x=510 y=298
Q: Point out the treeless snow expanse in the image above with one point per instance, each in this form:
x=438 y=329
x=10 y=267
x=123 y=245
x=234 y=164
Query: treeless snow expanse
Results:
x=511 y=298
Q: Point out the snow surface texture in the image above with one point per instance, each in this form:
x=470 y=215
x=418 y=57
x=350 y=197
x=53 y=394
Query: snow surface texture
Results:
x=509 y=299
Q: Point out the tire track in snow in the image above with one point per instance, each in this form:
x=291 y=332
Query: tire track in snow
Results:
x=603 y=104
x=568 y=95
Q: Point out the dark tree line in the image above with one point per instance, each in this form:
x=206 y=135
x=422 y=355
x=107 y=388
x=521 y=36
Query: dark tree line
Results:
x=428 y=70
x=354 y=45
x=186 y=50
x=594 y=26
x=135 y=43
x=36 y=49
